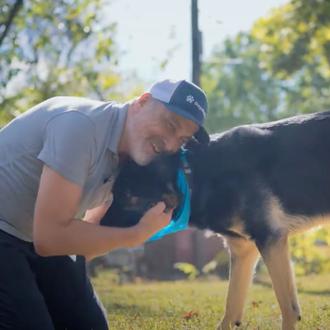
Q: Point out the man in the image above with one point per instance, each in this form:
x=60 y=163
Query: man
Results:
x=58 y=163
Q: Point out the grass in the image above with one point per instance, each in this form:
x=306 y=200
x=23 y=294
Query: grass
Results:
x=199 y=304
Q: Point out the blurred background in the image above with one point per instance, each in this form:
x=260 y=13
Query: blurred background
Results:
x=257 y=60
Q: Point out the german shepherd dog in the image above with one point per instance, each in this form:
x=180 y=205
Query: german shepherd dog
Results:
x=255 y=185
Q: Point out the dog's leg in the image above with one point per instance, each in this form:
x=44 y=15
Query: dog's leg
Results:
x=276 y=256
x=243 y=258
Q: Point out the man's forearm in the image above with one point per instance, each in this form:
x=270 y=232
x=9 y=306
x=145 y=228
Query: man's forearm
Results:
x=82 y=238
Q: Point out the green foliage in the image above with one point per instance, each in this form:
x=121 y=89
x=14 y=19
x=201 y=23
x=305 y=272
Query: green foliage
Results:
x=310 y=252
x=209 y=267
x=54 y=48
x=280 y=68
x=295 y=47
x=296 y=36
x=239 y=90
x=215 y=266
x=188 y=269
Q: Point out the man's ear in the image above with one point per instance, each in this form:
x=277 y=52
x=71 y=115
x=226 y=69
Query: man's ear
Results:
x=144 y=98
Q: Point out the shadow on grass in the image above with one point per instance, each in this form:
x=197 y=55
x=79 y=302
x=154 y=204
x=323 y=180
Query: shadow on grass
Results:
x=136 y=310
x=266 y=284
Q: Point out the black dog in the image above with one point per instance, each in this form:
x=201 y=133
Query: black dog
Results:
x=138 y=188
x=255 y=184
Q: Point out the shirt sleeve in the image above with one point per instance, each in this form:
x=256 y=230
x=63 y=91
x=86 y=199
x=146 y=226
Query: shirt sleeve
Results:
x=68 y=146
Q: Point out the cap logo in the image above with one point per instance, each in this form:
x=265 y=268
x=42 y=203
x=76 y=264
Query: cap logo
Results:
x=190 y=99
x=200 y=108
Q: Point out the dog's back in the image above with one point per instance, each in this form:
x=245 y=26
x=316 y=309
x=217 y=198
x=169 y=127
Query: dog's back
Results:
x=256 y=179
x=249 y=181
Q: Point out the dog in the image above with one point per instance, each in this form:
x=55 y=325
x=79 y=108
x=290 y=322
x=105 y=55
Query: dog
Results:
x=253 y=184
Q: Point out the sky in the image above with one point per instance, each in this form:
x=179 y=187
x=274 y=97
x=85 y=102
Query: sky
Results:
x=151 y=32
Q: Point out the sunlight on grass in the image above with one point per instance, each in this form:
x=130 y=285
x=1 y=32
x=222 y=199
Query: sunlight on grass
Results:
x=200 y=304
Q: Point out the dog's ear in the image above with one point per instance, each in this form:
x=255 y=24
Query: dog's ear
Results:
x=202 y=136
x=193 y=144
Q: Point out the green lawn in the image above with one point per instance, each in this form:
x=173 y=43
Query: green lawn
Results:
x=200 y=304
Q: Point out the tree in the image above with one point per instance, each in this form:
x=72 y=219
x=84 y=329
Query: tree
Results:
x=295 y=47
x=279 y=68
x=239 y=90
x=49 y=48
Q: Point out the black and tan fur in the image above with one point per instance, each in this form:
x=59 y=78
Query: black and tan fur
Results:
x=255 y=185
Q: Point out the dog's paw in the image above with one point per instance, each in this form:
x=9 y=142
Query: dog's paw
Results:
x=226 y=325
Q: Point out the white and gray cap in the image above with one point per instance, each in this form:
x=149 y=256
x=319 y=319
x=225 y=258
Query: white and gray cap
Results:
x=185 y=99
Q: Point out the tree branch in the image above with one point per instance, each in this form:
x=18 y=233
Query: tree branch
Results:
x=14 y=11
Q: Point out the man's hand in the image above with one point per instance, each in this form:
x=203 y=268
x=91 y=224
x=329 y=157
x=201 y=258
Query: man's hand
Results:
x=153 y=220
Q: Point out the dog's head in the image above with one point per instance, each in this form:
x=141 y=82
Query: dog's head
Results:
x=138 y=188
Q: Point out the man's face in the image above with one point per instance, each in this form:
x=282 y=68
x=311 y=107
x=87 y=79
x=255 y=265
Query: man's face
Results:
x=157 y=130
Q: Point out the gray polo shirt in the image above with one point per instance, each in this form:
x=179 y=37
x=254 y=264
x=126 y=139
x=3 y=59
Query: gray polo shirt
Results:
x=76 y=137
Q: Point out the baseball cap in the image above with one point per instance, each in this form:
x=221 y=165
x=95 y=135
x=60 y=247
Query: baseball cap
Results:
x=185 y=99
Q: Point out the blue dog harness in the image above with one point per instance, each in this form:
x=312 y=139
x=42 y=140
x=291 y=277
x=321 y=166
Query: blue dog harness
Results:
x=181 y=219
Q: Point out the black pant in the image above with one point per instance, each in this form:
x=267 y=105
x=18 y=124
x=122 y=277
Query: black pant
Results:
x=45 y=293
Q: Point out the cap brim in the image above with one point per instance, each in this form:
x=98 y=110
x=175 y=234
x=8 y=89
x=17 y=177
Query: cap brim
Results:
x=202 y=136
